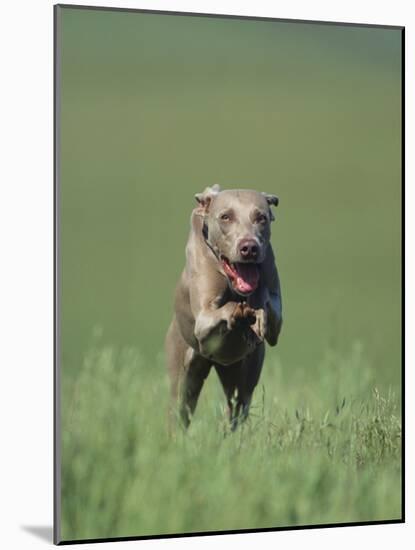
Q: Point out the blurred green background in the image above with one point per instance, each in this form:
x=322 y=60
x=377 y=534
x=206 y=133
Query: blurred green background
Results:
x=156 y=107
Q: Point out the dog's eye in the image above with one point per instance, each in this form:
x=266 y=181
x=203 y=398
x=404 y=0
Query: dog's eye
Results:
x=225 y=217
x=261 y=218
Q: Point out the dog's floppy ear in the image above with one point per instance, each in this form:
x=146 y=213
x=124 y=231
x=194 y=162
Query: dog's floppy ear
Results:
x=204 y=199
x=272 y=200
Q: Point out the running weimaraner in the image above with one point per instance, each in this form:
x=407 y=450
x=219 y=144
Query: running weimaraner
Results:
x=227 y=300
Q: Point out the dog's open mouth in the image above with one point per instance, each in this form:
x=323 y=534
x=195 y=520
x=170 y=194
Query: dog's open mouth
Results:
x=244 y=277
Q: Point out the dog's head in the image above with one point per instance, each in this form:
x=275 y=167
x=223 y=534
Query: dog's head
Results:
x=237 y=228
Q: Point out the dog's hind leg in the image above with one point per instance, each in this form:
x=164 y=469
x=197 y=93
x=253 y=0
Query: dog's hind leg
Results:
x=239 y=381
x=187 y=372
x=196 y=370
x=175 y=353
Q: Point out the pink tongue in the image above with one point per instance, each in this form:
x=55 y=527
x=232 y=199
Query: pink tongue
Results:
x=247 y=277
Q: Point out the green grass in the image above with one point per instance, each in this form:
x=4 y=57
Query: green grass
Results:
x=314 y=451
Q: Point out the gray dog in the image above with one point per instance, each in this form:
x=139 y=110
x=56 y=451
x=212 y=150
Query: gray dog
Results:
x=227 y=301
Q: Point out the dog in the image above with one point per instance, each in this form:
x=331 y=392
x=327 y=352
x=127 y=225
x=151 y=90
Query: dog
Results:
x=227 y=301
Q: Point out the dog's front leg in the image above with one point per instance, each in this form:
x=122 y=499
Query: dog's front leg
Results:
x=268 y=315
x=274 y=319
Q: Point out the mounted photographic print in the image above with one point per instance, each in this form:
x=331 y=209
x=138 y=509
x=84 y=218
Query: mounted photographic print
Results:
x=228 y=274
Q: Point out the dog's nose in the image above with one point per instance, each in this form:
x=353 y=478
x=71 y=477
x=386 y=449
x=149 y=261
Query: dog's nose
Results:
x=249 y=249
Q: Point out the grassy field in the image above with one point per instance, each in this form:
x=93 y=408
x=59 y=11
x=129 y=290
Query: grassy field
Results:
x=152 y=110
x=329 y=453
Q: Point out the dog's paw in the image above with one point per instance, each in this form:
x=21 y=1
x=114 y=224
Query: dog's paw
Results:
x=242 y=315
x=260 y=326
